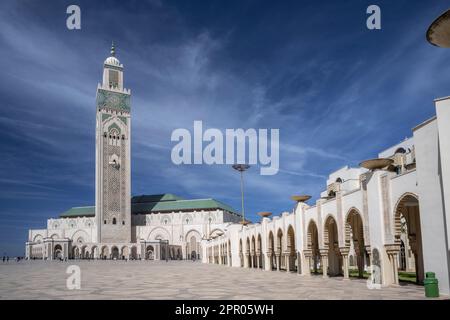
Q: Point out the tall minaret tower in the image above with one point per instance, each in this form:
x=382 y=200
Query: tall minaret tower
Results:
x=112 y=150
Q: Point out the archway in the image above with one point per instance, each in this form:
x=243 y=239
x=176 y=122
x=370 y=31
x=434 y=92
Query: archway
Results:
x=57 y=252
x=313 y=246
x=84 y=252
x=331 y=243
x=94 y=252
x=134 y=254
x=407 y=221
x=105 y=252
x=114 y=253
x=291 y=252
x=124 y=253
x=150 y=253
x=193 y=245
x=75 y=253
x=354 y=233
x=259 y=251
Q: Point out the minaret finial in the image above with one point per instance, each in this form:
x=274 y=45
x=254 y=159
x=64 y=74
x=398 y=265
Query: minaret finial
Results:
x=113 y=49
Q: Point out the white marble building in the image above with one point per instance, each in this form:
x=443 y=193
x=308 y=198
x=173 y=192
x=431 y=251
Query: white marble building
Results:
x=120 y=226
x=380 y=215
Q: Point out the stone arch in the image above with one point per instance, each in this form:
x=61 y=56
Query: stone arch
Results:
x=291 y=249
x=124 y=252
x=80 y=236
x=407 y=222
x=54 y=236
x=75 y=252
x=114 y=123
x=354 y=233
x=150 y=253
x=133 y=254
x=158 y=233
x=94 y=252
x=259 y=254
x=84 y=252
x=312 y=245
x=104 y=252
x=279 y=243
x=115 y=253
x=193 y=244
x=38 y=238
x=331 y=244
x=58 y=252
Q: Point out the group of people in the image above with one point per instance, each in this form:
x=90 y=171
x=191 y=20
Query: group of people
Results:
x=6 y=258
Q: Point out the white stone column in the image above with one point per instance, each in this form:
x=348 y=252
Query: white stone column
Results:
x=287 y=261
x=392 y=251
x=344 y=252
x=306 y=270
x=278 y=260
x=268 y=262
x=324 y=255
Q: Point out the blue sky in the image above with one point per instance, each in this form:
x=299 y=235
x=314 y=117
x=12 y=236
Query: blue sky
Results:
x=338 y=92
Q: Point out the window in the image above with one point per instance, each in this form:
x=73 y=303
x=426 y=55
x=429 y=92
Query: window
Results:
x=123 y=222
x=114 y=221
x=113 y=78
x=104 y=222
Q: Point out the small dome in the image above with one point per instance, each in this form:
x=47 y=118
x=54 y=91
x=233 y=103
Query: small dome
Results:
x=113 y=61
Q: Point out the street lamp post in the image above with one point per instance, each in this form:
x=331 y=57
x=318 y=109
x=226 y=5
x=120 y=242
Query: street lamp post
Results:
x=241 y=168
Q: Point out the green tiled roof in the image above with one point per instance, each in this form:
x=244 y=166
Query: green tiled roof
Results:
x=156 y=203
x=79 y=212
x=179 y=205
x=155 y=198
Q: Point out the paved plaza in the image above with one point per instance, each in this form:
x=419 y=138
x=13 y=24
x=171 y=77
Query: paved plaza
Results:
x=179 y=280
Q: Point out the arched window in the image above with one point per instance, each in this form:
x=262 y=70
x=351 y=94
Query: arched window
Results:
x=339 y=180
x=114 y=221
x=400 y=150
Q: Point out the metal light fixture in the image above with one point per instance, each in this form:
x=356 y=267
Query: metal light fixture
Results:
x=241 y=168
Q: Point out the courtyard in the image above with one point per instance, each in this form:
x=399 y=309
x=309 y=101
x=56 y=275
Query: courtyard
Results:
x=180 y=280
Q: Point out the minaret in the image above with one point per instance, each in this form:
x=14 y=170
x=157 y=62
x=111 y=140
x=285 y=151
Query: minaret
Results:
x=112 y=149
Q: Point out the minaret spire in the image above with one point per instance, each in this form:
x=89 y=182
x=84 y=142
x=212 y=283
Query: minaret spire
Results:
x=113 y=50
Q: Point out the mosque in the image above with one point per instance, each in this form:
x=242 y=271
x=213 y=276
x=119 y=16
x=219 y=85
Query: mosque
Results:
x=119 y=226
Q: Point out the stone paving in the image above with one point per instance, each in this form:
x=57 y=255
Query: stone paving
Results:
x=179 y=280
